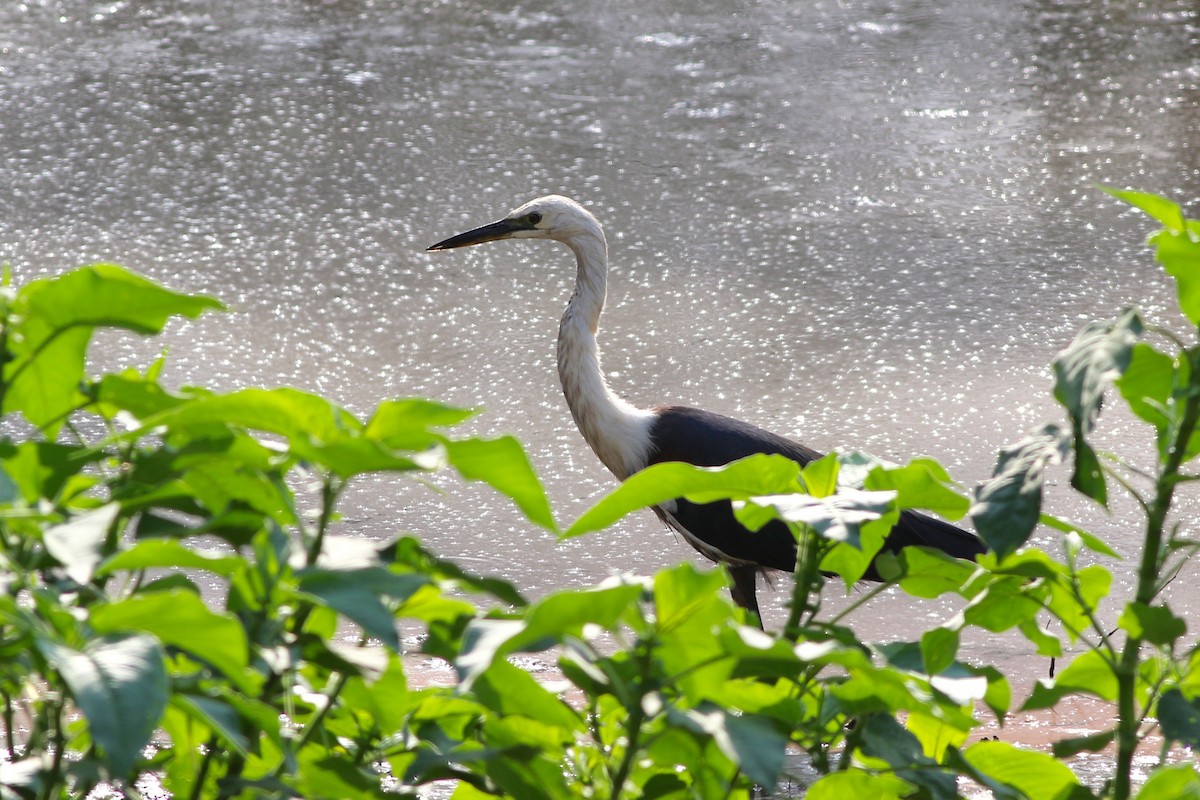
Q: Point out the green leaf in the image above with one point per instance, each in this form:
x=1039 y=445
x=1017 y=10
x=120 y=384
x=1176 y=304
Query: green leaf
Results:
x=1148 y=384
x=405 y=424
x=839 y=517
x=939 y=646
x=1008 y=506
x=931 y=573
x=1179 y=718
x=181 y=619
x=1034 y=774
x=1099 y=354
x=502 y=464
x=79 y=543
x=557 y=617
x=218 y=716
x=1089 y=673
x=55 y=319
x=120 y=685
x=756 y=475
x=1176 y=781
x=922 y=483
x=511 y=691
x=1155 y=624
x=1179 y=253
x=748 y=741
x=1160 y=208
x=355 y=593
x=1096 y=742
x=151 y=553
x=856 y=783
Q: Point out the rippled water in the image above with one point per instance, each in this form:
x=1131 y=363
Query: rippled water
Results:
x=863 y=224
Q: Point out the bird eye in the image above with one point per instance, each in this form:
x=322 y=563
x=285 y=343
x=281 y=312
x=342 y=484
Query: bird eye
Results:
x=534 y=218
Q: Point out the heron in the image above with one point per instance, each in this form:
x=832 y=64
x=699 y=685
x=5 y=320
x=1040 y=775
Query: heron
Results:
x=628 y=439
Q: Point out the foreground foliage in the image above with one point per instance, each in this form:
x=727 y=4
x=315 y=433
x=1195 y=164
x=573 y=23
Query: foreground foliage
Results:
x=172 y=606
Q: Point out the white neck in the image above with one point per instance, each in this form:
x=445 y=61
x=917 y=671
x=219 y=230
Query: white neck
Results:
x=618 y=432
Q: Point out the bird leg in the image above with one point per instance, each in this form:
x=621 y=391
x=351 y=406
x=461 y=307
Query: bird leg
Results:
x=744 y=578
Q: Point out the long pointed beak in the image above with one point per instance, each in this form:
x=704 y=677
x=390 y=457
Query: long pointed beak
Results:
x=487 y=233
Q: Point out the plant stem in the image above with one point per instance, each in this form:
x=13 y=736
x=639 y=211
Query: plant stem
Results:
x=1147 y=579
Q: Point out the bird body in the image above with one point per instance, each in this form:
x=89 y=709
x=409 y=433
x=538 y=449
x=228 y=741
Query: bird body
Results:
x=628 y=439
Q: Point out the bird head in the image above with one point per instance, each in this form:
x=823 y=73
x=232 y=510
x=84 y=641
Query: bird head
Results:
x=551 y=217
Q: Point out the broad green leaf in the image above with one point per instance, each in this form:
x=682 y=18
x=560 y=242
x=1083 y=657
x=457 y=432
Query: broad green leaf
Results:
x=922 y=483
x=939 y=646
x=748 y=741
x=1034 y=774
x=690 y=609
x=55 y=319
x=1001 y=606
x=355 y=593
x=856 y=783
x=40 y=469
x=1160 y=208
x=930 y=573
x=218 y=716
x=181 y=619
x=1154 y=624
x=120 y=685
x=1007 y=507
x=405 y=424
x=1179 y=253
x=757 y=475
x=502 y=464
x=558 y=617
x=133 y=393
x=820 y=477
x=150 y=553
x=1088 y=673
x=304 y=419
x=511 y=691
x=1098 y=355
x=1148 y=384
x=1095 y=743
x=839 y=517
x=79 y=543
x=1179 y=718
x=1176 y=781
x=884 y=738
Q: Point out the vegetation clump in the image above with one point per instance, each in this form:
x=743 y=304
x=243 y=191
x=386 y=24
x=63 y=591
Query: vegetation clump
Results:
x=167 y=610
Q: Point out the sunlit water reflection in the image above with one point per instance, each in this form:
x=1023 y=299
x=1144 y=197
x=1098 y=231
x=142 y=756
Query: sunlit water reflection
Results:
x=861 y=224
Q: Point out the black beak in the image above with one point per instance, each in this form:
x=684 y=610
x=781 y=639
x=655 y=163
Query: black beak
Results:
x=488 y=233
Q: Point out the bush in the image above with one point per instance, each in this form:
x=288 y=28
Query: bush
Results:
x=169 y=611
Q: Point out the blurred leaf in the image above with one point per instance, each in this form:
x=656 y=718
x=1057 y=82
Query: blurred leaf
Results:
x=545 y=624
x=748 y=741
x=355 y=593
x=55 y=319
x=1179 y=718
x=1179 y=253
x=1089 y=540
x=939 y=646
x=922 y=483
x=756 y=475
x=131 y=392
x=1088 y=673
x=1160 y=208
x=1155 y=624
x=1098 y=355
x=150 y=553
x=884 y=738
x=931 y=573
x=120 y=685
x=1176 y=781
x=1094 y=743
x=856 y=783
x=1008 y=506
x=511 y=691
x=78 y=544
x=181 y=619
x=1148 y=384
x=217 y=716
x=502 y=464
x=1034 y=774
x=405 y=424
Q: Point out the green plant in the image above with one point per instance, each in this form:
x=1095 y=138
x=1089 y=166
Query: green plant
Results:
x=166 y=606
x=169 y=610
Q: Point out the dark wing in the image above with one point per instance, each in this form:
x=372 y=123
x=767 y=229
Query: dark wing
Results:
x=710 y=440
